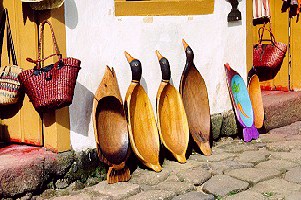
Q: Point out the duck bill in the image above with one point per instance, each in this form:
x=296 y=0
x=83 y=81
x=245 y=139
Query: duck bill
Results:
x=129 y=57
x=184 y=44
x=159 y=56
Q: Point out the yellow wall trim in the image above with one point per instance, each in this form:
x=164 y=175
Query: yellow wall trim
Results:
x=163 y=7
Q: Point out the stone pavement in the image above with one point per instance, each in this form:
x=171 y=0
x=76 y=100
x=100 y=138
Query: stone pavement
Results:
x=269 y=168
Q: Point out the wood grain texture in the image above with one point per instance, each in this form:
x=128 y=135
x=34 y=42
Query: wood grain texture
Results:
x=142 y=127
x=110 y=128
x=256 y=100
x=172 y=121
x=195 y=98
x=171 y=117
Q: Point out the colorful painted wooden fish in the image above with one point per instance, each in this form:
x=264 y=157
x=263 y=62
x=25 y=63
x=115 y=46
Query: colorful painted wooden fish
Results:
x=171 y=117
x=142 y=127
x=242 y=104
x=195 y=98
x=110 y=128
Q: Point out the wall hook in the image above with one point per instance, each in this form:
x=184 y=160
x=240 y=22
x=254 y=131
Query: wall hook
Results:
x=235 y=14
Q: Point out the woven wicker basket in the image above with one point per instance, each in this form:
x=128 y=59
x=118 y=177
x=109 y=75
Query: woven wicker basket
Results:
x=9 y=84
x=50 y=87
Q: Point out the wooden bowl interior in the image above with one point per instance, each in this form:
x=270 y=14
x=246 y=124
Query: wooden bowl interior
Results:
x=195 y=99
x=143 y=125
x=173 y=121
x=112 y=129
x=256 y=100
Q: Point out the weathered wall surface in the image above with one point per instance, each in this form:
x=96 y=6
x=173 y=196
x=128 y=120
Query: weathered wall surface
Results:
x=98 y=38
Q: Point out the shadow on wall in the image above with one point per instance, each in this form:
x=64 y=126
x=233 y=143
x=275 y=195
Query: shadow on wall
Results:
x=144 y=84
x=233 y=24
x=80 y=114
x=72 y=19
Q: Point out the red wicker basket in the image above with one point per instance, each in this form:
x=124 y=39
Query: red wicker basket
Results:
x=50 y=87
x=268 y=58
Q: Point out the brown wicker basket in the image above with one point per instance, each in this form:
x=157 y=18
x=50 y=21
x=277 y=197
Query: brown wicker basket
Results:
x=50 y=87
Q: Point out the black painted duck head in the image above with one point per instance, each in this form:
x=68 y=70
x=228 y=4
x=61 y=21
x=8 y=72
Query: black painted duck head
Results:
x=165 y=67
x=135 y=67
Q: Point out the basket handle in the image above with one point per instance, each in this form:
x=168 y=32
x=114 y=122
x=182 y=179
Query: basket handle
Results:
x=4 y=69
x=10 y=44
x=41 y=38
x=261 y=32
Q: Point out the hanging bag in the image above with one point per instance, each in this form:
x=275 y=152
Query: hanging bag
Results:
x=9 y=83
x=268 y=58
x=50 y=87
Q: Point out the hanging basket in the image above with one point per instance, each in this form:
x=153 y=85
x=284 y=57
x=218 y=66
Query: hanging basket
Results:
x=9 y=84
x=50 y=87
x=268 y=58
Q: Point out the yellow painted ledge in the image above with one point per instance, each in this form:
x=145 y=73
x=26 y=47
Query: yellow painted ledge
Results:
x=163 y=8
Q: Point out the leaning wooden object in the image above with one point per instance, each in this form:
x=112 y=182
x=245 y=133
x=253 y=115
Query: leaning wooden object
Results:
x=195 y=98
x=242 y=104
x=110 y=128
x=142 y=127
x=256 y=100
x=171 y=116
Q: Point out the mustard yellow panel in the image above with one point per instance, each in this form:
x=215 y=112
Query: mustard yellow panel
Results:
x=21 y=122
x=279 y=25
x=296 y=55
x=163 y=7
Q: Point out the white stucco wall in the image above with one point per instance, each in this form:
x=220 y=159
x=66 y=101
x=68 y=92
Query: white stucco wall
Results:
x=98 y=38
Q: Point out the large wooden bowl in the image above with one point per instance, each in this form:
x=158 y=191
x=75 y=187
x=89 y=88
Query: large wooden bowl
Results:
x=110 y=128
x=172 y=121
x=142 y=127
x=195 y=98
x=171 y=116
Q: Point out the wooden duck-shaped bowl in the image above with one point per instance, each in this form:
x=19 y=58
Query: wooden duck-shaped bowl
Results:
x=110 y=128
x=142 y=127
x=195 y=98
x=256 y=100
x=242 y=104
x=171 y=116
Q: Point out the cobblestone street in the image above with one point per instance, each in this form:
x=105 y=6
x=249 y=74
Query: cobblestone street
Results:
x=269 y=168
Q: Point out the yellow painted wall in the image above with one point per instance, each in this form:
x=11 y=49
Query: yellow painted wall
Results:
x=22 y=123
x=296 y=55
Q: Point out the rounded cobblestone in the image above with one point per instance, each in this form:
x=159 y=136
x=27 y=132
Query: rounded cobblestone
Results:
x=268 y=168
